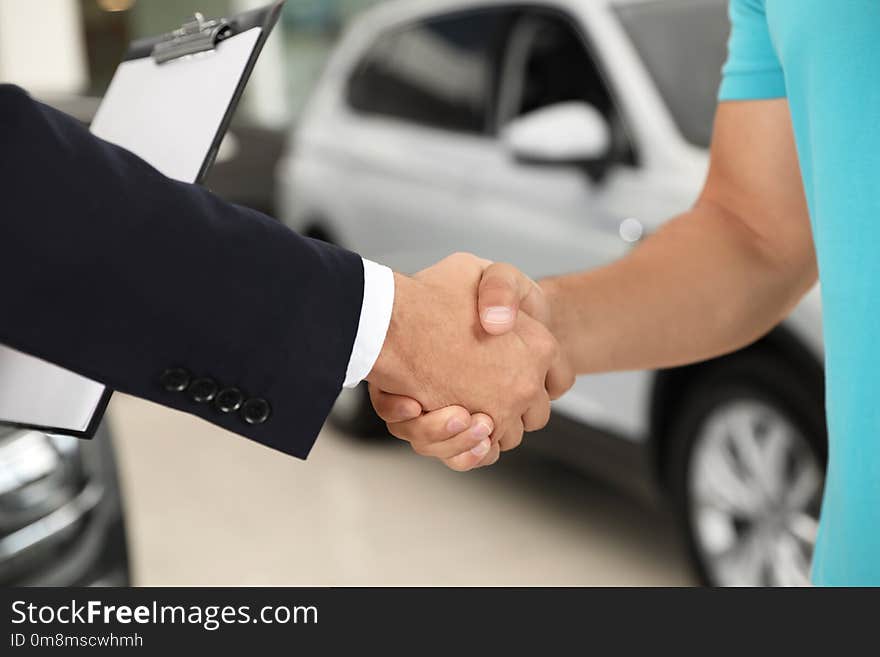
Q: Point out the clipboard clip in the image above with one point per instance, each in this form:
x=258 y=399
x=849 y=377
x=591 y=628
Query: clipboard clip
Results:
x=194 y=36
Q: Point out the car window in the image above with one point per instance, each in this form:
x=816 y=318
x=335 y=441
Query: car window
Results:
x=683 y=44
x=555 y=68
x=547 y=62
x=438 y=72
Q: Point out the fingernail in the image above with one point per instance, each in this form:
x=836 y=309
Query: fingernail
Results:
x=497 y=315
x=482 y=448
x=456 y=425
x=481 y=430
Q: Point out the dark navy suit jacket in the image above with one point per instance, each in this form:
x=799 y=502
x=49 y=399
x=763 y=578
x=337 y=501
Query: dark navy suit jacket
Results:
x=163 y=291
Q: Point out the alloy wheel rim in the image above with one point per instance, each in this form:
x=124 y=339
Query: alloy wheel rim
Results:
x=755 y=487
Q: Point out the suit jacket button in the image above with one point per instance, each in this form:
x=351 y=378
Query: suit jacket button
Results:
x=255 y=411
x=203 y=390
x=228 y=400
x=174 y=380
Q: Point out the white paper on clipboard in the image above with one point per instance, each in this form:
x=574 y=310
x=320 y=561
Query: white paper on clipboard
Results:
x=173 y=115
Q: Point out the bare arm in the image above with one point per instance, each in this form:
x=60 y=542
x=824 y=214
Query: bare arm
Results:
x=713 y=279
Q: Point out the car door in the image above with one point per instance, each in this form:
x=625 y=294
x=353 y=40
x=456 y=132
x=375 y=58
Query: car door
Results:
x=428 y=172
x=417 y=134
x=555 y=215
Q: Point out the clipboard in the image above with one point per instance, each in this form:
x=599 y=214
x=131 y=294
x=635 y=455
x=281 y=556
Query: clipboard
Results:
x=170 y=102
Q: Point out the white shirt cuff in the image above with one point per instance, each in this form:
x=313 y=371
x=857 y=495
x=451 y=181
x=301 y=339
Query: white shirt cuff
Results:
x=373 y=325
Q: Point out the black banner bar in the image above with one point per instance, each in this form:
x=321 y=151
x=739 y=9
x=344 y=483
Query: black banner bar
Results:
x=275 y=620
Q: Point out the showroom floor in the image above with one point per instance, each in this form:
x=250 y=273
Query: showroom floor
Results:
x=208 y=508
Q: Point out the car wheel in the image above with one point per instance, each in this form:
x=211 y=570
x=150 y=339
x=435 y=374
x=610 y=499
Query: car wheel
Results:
x=749 y=451
x=353 y=414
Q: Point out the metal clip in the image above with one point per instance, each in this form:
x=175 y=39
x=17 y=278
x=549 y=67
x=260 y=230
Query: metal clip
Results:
x=194 y=36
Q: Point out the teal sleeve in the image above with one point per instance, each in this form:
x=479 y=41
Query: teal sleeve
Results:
x=752 y=71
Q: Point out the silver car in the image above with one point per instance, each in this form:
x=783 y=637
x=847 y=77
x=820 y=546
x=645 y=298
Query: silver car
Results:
x=555 y=135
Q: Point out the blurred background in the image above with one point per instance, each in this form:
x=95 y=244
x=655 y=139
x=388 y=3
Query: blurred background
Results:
x=553 y=134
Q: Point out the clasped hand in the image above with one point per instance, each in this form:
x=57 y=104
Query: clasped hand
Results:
x=469 y=361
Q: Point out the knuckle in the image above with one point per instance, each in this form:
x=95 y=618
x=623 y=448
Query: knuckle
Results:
x=460 y=256
x=534 y=387
x=494 y=283
x=524 y=391
x=436 y=436
x=498 y=278
x=457 y=465
x=549 y=347
x=563 y=385
x=436 y=433
x=395 y=431
x=511 y=443
x=504 y=270
x=539 y=423
x=385 y=413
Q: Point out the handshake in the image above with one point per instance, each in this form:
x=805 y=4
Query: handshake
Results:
x=469 y=361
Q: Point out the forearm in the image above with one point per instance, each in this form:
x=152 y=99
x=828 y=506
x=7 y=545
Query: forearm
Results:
x=702 y=286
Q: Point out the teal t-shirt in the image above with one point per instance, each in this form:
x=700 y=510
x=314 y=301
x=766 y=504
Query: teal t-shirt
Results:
x=824 y=57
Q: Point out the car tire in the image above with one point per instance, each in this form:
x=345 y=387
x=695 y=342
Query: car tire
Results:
x=353 y=414
x=748 y=451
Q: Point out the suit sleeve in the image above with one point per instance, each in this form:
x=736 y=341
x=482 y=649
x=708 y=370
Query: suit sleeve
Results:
x=163 y=291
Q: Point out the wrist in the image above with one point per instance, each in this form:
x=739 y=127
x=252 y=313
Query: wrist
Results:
x=559 y=307
x=550 y=287
x=393 y=363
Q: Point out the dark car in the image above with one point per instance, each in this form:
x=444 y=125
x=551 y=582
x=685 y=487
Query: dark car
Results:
x=61 y=516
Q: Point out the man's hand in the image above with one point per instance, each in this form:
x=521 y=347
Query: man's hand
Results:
x=438 y=354
x=504 y=291
x=452 y=433
x=460 y=440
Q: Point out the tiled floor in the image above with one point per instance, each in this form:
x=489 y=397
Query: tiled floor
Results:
x=206 y=507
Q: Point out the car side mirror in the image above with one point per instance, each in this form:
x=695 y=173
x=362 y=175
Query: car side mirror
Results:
x=565 y=133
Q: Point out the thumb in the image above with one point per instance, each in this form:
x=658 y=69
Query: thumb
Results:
x=394 y=408
x=503 y=289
